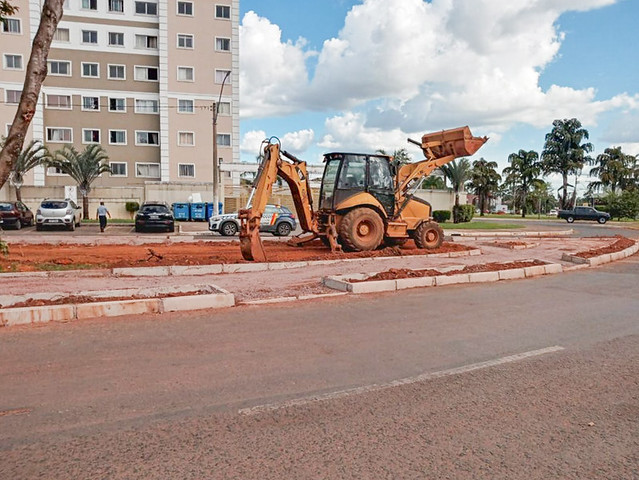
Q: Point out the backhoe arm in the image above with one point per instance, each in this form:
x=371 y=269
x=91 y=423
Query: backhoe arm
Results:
x=293 y=172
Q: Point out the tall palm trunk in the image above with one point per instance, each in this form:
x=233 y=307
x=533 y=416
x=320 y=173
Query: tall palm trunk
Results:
x=85 y=206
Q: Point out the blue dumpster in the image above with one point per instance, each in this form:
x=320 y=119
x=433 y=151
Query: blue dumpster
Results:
x=209 y=210
x=181 y=211
x=198 y=211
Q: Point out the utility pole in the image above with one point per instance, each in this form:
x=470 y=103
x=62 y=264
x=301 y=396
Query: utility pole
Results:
x=216 y=166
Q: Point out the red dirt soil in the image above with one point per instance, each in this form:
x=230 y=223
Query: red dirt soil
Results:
x=398 y=273
x=620 y=244
x=28 y=257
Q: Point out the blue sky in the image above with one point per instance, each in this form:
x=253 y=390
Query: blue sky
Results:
x=361 y=75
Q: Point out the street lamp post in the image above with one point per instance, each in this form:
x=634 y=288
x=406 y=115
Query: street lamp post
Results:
x=216 y=166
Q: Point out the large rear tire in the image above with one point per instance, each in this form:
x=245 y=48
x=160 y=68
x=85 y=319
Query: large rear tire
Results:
x=428 y=235
x=361 y=229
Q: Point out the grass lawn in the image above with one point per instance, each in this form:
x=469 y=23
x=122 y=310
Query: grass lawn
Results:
x=483 y=225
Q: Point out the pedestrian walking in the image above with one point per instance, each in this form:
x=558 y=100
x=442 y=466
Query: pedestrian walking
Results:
x=101 y=215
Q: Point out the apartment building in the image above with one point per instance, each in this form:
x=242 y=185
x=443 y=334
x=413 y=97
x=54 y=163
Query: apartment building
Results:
x=138 y=77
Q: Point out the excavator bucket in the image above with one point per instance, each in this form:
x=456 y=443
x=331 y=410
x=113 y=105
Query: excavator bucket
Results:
x=250 y=243
x=458 y=142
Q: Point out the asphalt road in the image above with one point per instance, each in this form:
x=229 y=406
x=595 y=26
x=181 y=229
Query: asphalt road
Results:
x=161 y=396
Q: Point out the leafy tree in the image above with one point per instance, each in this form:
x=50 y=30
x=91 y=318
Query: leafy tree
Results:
x=565 y=153
x=401 y=156
x=615 y=170
x=522 y=174
x=625 y=205
x=434 y=182
x=35 y=74
x=35 y=154
x=484 y=181
x=7 y=9
x=542 y=197
x=457 y=173
x=84 y=167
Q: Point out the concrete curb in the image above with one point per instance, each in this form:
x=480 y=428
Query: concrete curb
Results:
x=291 y=299
x=601 y=259
x=479 y=234
x=343 y=283
x=69 y=312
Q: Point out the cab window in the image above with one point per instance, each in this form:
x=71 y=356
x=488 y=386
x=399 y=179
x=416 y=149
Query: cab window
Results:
x=353 y=176
x=379 y=174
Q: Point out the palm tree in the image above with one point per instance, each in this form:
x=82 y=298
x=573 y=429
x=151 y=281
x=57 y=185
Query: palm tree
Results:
x=564 y=153
x=84 y=167
x=401 y=155
x=457 y=173
x=615 y=170
x=484 y=181
x=35 y=154
x=522 y=174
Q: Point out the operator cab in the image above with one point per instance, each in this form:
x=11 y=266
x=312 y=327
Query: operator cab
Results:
x=347 y=174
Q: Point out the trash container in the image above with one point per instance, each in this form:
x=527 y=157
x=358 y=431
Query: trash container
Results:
x=198 y=211
x=209 y=210
x=182 y=212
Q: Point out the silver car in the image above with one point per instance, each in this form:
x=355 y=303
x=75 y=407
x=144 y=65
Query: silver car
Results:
x=58 y=213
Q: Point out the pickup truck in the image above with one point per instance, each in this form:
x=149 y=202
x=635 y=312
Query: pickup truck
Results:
x=584 y=213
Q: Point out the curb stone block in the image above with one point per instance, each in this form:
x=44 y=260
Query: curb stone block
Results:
x=198 y=302
x=535 y=271
x=117 y=308
x=512 y=274
x=370 y=287
x=244 y=267
x=286 y=265
x=269 y=300
x=321 y=295
x=27 y=315
x=142 y=272
x=553 y=268
x=195 y=270
x=336 y=284
x=452 y=279
x=403 y=283
x=481 y=277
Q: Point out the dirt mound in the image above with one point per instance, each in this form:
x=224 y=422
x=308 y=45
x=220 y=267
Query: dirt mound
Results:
x=34 y=257
x=620 y=244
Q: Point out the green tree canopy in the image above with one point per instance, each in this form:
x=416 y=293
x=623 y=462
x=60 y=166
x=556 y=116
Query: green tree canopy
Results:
x=615 y=170
x=484 y=181
x=522 y=174
x=33 y=155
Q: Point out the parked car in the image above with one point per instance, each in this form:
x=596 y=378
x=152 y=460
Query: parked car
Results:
x=276 y=220
x=15 y=215
x=553 y=212
x=154 y=215
x=584 y=213
x=58 y=213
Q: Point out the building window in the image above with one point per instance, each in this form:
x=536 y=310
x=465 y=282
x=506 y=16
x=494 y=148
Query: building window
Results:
x=186 y=170
x=117 y=104
x=116 y=39
x=57 y=67
x=146 y=74
x=117 y=72
x=185 y=8
x=186 y=139
x=223 y=44
x=61 y=35
x=90 y=135
x=184 y=40
x=185 y=74
x=91 y=104
x=90 y=4
x=117 y=137
x=185 y=106
x=146 y=8
x=146 y=106
x=89 y=36
x=224 y=108
x=91 y=70
x=220 y=75
x=59 y=135
x=11 y=25
x=116 y=6
x=118 y=169
x=147 y=138
x=148 y=170
x=222 y=11
x=224 y=139
x=62 y=102
x=146 y=41
x=13 y=96
x=12 y=62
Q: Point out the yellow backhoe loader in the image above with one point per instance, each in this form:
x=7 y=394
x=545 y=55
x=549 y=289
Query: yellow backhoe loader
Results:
x=366 y=200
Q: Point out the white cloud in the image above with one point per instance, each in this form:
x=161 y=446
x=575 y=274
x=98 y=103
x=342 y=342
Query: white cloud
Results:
x=251 y=142
x=298 y=142
x=426 y=65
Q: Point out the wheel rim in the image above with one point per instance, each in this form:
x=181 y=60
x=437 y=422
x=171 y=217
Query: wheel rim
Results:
x=431 y=237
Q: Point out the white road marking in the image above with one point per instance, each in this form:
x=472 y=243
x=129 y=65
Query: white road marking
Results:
x=269 y=407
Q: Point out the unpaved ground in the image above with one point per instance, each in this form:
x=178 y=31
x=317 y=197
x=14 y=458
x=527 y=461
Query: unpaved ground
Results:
x=305 y=280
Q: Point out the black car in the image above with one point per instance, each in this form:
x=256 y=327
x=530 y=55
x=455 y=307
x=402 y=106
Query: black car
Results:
x=15 y=215
x=584 y=213
x=154 y=215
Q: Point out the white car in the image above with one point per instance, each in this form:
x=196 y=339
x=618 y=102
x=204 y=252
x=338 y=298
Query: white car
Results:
x=58 y=213
x=553 y=212
x=277 y=220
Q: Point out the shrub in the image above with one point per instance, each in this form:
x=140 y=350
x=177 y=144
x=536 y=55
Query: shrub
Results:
x=463 y=213
x=440 y=216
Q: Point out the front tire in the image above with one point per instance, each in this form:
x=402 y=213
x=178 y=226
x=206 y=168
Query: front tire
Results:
x=228 y=229
x=72 y=226
x=38 y=227
x=361 y=229
x=18 y=224
x=602 y=220
x=570 y=219
x=429 y=236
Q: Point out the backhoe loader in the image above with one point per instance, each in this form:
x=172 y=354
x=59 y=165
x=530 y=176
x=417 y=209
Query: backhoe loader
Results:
x=366 y=200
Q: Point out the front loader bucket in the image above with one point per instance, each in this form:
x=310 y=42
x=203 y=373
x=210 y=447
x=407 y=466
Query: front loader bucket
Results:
x=250 y=241
x=458 y=142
